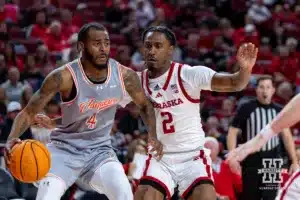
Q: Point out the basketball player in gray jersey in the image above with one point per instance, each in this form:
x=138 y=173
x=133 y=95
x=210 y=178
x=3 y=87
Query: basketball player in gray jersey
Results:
x=91 y=88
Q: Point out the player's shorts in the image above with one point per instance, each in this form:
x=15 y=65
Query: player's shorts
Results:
x=74 y=165
x=291 y=189
x=187 y=170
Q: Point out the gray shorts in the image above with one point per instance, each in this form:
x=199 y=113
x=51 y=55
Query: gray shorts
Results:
x=73 y=165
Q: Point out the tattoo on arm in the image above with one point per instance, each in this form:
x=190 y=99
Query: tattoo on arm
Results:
x=135 y=90
x=222 y=82
x=49 y=88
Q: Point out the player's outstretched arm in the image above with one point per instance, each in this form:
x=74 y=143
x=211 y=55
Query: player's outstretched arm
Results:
x=289 y=116
x=138 y=96
x=54 y=82
x=246 y=58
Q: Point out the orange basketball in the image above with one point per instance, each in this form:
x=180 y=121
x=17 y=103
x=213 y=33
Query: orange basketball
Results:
x=29 y=161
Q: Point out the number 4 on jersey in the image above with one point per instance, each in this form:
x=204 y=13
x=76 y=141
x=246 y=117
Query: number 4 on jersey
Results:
x=91 y=121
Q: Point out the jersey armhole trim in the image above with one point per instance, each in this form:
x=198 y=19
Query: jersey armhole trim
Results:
x=76 y=85
x=121 y=79
x=186 y=95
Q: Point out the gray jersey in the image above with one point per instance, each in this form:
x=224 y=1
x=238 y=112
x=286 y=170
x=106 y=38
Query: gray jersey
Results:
x=88 y=118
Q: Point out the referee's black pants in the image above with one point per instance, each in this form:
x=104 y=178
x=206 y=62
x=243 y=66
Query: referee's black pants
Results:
x=254 y=182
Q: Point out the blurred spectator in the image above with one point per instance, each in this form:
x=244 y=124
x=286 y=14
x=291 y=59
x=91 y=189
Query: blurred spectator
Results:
x=265 y=58
x=213 y=127
x=42 y=56
x=115 y=15
x=226 y=113
x=284 y=93
x=248 y=33
x=11 y=58
x=259 y=13
x=66 y=22
x=186 y=18
x=118 y=141
x=286 y=66
x=3 y=69
x=13 y=86
x=46 y=70
x=222 y=173
x=11 y=11
x=55 y=41
x=26 y=96
x=32 y=73
x=292 y=44
x=219 y=53
x=159 y=19
x=39 y=29
x=4 y=36
x=13 y=108
x=123 y=55
x=131 y=29
x=144 y=12
x=137 y=59
x=191 y=52
x=3 y=102
x=226 y=31
x=132 y=123
x=177 y=55
x=71 y=53
x=118 y=138
x=81 y=15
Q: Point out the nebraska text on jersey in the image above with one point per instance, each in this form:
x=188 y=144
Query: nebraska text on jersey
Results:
x=167 y=104
x=96 y=105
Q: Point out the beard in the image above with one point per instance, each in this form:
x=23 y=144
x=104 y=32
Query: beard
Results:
x=90 y=58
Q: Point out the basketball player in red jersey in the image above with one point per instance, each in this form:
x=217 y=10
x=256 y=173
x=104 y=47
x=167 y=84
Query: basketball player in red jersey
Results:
x=289 y=116
x=174 y=90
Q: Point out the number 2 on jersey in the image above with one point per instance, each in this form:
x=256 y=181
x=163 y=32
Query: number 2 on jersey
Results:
x=168 y=127
x=92 y=121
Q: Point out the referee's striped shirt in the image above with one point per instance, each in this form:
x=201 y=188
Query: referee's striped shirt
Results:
x=252 y=117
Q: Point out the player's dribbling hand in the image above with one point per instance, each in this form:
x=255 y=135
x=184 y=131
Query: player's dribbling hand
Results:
x=246 y=56
x=44 y=121
x=9 y=145
x=157 y=147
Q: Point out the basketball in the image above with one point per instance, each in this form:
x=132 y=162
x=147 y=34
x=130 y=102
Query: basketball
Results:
x=29 y=161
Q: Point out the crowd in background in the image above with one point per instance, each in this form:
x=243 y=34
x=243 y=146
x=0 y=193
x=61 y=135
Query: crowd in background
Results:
x=36 y=36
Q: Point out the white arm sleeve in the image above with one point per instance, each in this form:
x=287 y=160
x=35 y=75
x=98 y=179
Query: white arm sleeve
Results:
x=198 y=76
